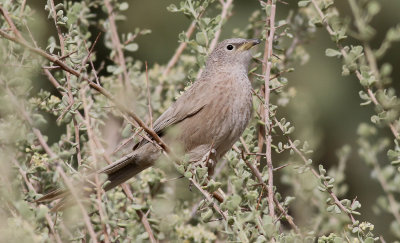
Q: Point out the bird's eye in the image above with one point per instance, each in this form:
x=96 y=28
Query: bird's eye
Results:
x=229 y=47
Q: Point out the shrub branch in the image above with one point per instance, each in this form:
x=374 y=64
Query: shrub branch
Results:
x=268 y=52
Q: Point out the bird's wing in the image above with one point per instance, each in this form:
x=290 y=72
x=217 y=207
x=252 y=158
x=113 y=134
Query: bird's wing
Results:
x=187 y=105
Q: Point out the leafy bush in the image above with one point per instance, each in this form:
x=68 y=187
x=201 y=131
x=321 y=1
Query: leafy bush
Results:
x=87 y=112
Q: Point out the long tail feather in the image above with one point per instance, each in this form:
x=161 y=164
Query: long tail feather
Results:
x=117 y=172
x=53 y=195
x=123 y=174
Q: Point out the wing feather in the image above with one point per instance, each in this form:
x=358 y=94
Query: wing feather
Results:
x=187 y=105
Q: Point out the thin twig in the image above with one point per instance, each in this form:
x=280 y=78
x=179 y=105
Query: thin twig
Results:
x=92 y=148
x=75 y=195
x=267 y=70
x=394 y=207
x=393 y=204
x=224 y=15
x=209 y=198
x=21 y=12
x=226 y=5
x=32 y=188
x=258 y=175
x=27 y=118
x=126 y=189
x=117 y=43
x=10 y=22
x=179 y=50
x=77 y=142
x=97 y=88
x=126 y=141
x=358 y=74
x=94 y=86
x=148 y=96
x=315 y=173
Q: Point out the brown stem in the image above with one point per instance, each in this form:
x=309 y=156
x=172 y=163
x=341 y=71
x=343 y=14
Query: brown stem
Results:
x=128 y=193
x=358 y=74
x=224 y=15
x=92 y=147
x=148 y=97
x=27 y=118
x=32 y=188
x=117 y=43
x=315 y=173
x=258 y=175
x=75 y=195
x=267 y=69
x=209 y=198
x=98 y=88
x=179 y=50
x=393 y=204
x=94 y=86
x=10 y=22
x=63 y=56
x=374 y=67
x=59 y=33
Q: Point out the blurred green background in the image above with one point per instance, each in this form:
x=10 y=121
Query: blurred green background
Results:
x=326 y=110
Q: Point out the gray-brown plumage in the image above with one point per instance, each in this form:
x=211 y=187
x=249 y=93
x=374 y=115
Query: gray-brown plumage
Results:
x=211 y=114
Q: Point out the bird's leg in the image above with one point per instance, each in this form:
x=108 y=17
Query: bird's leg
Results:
x=190 y=186
x=210 y=165
x=211 y=162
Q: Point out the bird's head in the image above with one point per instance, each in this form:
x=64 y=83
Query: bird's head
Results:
x=232 y=54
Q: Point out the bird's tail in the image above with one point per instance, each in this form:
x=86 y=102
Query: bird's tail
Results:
x=117 y=172
x=123 y=169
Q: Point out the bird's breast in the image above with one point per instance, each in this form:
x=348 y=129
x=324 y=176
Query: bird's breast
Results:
x=224 y=117
x=230 y=112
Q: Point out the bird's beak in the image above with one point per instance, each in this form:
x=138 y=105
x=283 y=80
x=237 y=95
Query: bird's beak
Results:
x=249 y=44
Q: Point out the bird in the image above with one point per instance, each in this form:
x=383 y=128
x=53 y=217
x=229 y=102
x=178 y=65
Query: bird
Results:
x=210 y=116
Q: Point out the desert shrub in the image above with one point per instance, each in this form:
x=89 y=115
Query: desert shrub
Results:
x=67 y=110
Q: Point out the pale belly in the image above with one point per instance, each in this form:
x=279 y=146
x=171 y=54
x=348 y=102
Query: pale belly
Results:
x=218 y=126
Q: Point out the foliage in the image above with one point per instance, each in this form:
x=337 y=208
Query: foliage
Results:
x=93 y=129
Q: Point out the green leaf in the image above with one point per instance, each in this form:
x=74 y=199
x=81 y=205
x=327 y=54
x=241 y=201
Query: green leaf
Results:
x=172 y=8
x=38 y=120
x=132 y=47
x=322 y=171
x=180 y=169
x=110 y=69
x=123 y=6
x=206 y=216
x=303 y=3
x=355 y=205
x=393 y=34
x=332 y=53
x=369 y=240
x=136 y=206
x=212 y=185
x=201 y=39
x=373 y=8
x=233 y=202
x=375 y=119
x=188 y=174
x=201 y=172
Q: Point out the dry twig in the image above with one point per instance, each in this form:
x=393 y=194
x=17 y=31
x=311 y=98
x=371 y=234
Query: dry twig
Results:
x=258 y=175
x=268 y=137
x=358 y=74
x=120 y=58
x=75 y=195
x=47 y=216
x=315 y=173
